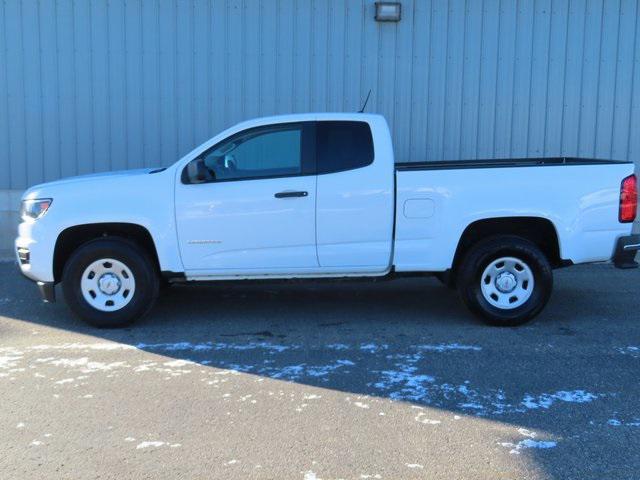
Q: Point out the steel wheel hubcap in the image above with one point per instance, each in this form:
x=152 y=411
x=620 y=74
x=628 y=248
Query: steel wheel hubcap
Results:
x=107 y=285
x=507 y=283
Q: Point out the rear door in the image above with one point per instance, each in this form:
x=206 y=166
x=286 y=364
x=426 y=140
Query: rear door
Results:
x=354 y=213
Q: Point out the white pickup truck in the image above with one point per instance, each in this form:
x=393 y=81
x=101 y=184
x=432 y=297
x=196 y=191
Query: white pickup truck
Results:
x=319 y=195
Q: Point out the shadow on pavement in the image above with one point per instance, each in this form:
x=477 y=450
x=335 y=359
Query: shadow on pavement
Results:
x=409 y=341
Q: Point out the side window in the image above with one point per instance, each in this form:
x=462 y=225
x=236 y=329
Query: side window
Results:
x=343 y=146
x=257 y=153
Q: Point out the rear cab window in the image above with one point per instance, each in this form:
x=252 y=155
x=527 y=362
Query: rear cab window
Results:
x=342 y=146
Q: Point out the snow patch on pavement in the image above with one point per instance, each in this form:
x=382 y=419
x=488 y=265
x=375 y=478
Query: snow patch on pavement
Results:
x=149 y=444
x=447 y=347
x=337 y=346
x=295 y=372
x=616 y=422
x=84 y=364
x=324 y=370
x=372 y=347
x=152 y=444
x=102 y=346
x=529 y=442
x=404 y=382
x=548 y=399
x=631 y=350
x=9 y=361
x=407 y=381
x=65 y=380
x=422 y=418
x=402 y=376
x=168 y=347
x=179 y=363
x=206 y=346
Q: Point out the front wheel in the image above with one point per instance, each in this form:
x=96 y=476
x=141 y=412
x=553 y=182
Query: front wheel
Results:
x=506 y=280
x=110 y=282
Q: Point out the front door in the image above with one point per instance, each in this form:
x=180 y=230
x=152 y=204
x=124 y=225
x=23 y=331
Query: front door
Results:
x=247 y=205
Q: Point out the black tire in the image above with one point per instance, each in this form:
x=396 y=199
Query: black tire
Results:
x=139 y=263
x=480 y=256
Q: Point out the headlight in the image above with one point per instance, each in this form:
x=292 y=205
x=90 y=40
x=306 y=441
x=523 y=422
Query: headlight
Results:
x=35 y=208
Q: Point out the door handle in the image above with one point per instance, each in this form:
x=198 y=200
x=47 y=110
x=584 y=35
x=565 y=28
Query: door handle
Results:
x=290 y=194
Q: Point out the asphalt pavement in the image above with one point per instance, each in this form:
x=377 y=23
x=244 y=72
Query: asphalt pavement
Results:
x=352 y=380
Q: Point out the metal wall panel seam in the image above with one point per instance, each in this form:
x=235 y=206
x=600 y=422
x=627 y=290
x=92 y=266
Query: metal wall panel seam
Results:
x=615 y=83
x=495 y=96
x=24 y=98
x=5 y=69
x=41 y=92
x=478 y=99
x=634 y=69
x=597 y=106
x=546 y=96
x=531 y=74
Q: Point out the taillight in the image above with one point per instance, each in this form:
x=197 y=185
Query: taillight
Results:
x=628 y=199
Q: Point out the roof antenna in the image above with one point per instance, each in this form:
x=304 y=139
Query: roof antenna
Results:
x=365 y=102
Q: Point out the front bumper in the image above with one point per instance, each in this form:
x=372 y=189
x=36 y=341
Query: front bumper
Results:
x=34 y=248
x=34 y=255
x=47 y=289
x=626 y=249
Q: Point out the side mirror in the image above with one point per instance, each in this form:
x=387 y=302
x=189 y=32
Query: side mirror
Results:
x=197 y=172
x=202 y=173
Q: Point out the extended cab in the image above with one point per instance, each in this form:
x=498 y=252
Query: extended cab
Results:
x=319 y=195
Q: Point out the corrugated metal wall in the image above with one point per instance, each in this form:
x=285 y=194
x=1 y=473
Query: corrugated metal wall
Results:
x=109 y=84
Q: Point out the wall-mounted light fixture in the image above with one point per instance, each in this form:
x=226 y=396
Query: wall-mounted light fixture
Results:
x=388 y=11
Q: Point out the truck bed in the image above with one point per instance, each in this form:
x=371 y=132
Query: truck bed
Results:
x=437 y=201
x=505 y=163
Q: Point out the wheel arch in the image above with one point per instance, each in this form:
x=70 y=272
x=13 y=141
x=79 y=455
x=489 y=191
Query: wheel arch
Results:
x=538 y=230
x=71 y=238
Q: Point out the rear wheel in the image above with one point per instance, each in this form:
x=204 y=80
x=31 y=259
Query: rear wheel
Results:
x=110 y=282
x=506 y=280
